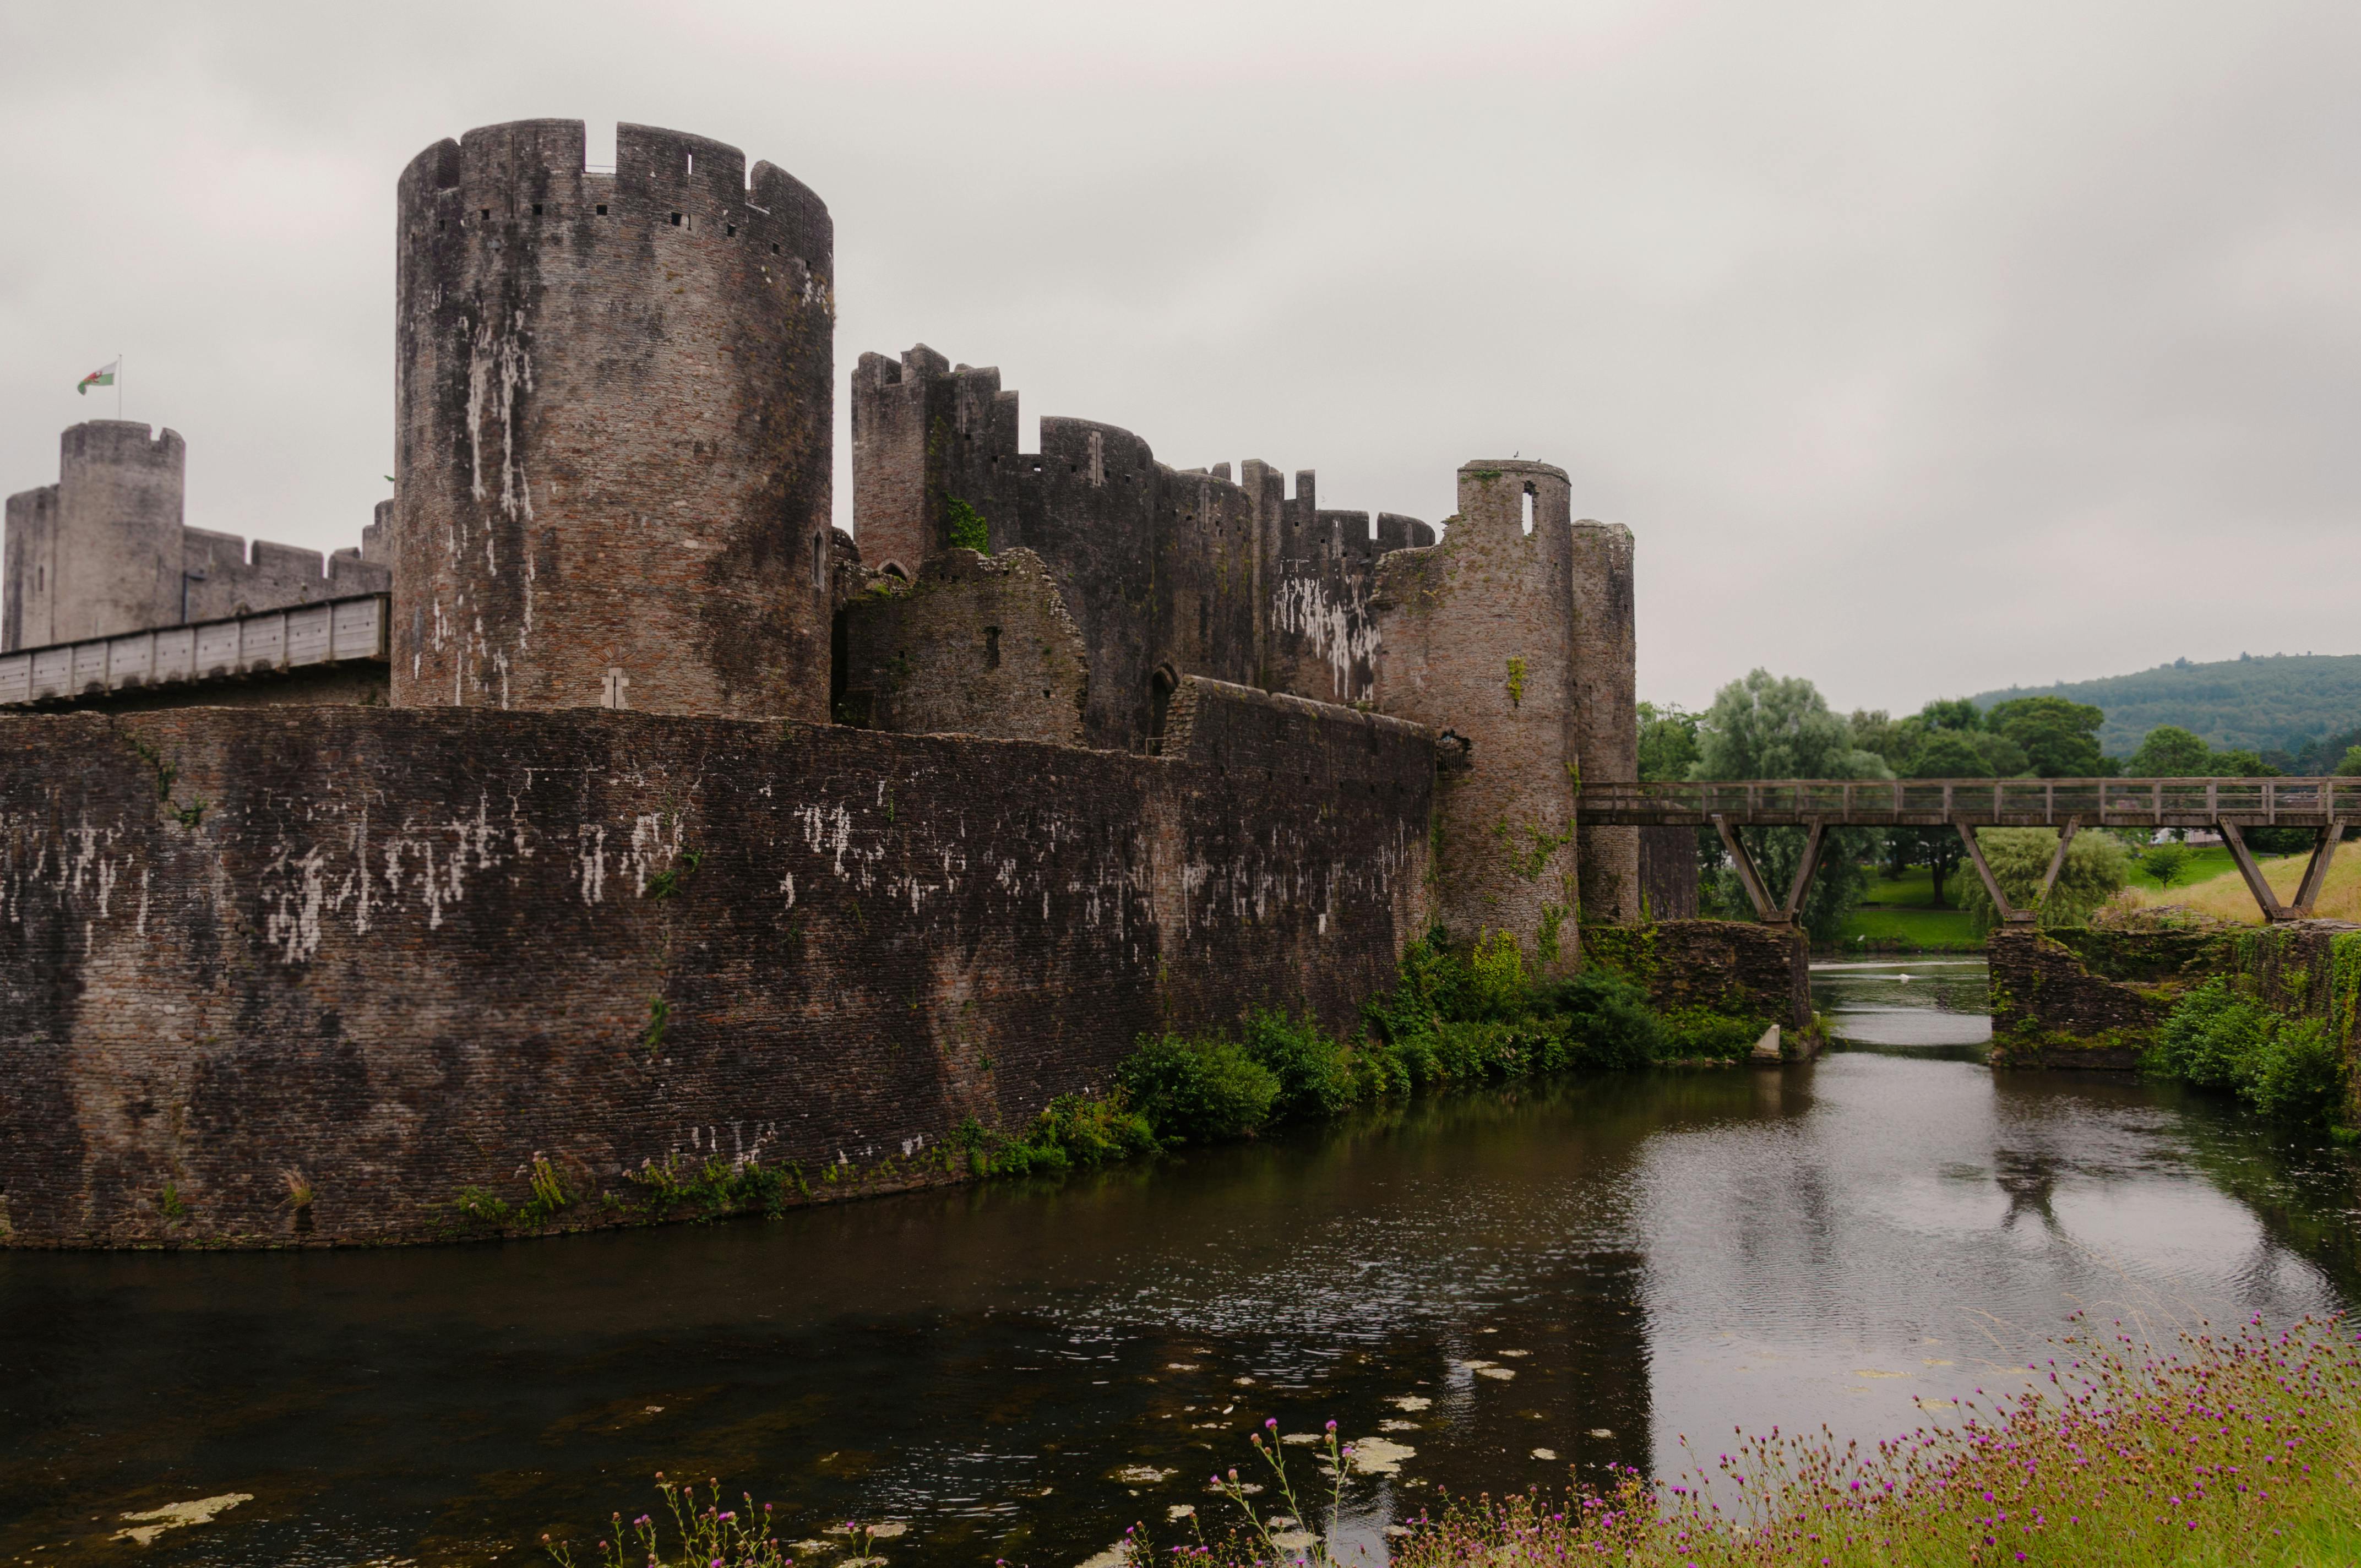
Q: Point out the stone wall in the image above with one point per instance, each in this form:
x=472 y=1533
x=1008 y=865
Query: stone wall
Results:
x=612 y=397
x=1732 y=967
x=1167 y=573
x=1606 y=723
x=345 y=974
x=1476 y=631
x=978 y=646
x=1668 y=873
x=2085 y=998
x=104 y=550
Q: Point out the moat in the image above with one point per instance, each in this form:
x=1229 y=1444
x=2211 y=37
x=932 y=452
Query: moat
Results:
x=1585 y=1269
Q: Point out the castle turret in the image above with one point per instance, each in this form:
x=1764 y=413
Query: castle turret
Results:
x=1477 y=633
x=98 y=553
x=1605 y=712
x=613 y=396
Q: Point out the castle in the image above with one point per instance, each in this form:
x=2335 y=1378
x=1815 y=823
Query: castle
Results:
x=650 y=818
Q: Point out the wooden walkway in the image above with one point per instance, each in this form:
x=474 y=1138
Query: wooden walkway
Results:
x=2227 y=805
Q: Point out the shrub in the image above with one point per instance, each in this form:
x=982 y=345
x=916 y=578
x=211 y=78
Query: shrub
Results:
x=1607 y=1022
x=1195 y=1091
x=1071 y=1130
x=2097 y=868
x=1313 y=1068
x=1699 y=1034
x=2216 y=1039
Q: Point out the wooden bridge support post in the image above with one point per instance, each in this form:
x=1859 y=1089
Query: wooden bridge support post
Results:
x=1991 y=883
x=2236 y=842
x=1816 y=835
x=1748 y=877
x=2058 y=860
x=2315 y=874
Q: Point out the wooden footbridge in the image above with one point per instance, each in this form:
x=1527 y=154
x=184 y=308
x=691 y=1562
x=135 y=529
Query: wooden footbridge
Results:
x=2228 y=807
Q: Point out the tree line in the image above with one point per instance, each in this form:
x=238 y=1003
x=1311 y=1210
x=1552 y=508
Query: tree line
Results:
x=1771 y=727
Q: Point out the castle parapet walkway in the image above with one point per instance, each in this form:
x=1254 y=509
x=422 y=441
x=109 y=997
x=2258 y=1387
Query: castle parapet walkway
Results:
x=2227 y=805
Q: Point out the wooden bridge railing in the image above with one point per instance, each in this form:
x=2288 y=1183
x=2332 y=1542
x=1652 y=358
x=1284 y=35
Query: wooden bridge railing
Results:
x=2228 y=805
x=1981 y=802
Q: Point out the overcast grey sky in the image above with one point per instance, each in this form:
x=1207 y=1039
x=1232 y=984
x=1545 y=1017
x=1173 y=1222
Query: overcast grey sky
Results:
x=1925 y=347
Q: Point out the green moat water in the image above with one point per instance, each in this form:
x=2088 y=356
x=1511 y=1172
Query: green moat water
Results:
x=1854 y=1240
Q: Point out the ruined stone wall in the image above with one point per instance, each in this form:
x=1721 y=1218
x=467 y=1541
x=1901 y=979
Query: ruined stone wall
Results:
x=612 y=396
x=1475 y=633
x=978 y=646
x=1167 y=573
x=2095 y=998
x=344 y=974
x=1730 y=967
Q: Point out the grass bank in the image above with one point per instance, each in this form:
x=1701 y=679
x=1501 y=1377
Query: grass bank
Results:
x=2241 y=1447
x=1898 y=915
x=2224 y=896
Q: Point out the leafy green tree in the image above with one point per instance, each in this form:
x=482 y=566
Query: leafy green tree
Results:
x=1954 y=713
x=2097 y=868
x=1764 y=727
x=1668 y=740
x=1895 y=741
x=1948 y=755
x=2171 y=752
x=2060 y=739
x=2351 y=766
x=2166 y=862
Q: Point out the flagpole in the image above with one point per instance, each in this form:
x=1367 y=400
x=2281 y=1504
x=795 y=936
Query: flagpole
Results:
x=118 y=386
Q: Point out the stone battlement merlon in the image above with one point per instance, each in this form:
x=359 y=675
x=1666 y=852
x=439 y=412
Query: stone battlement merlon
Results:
x=512 y=179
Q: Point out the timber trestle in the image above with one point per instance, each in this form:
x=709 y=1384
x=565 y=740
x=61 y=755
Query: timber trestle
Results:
x=2227 y=805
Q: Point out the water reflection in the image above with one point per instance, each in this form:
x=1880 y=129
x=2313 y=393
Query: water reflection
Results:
x=1913 y=1003
x=1585 y=1271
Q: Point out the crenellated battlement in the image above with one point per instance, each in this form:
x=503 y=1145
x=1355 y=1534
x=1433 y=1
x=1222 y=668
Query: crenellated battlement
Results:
x=614 y=388
x=527 y=180
x=1170 y=572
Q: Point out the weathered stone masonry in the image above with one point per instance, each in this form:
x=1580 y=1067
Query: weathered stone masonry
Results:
x=389 y=955
x=274 y=975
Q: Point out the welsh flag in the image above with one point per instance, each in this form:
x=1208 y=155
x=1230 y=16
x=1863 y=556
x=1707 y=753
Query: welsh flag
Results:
x=102 y=377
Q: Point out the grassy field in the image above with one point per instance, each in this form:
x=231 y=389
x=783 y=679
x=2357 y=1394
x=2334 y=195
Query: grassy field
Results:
x=2205 y=863
x=1886 y=928
x=2224 y=895
x=1901 y=913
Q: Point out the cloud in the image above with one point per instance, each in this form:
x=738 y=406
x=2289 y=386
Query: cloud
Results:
x=1925 y=348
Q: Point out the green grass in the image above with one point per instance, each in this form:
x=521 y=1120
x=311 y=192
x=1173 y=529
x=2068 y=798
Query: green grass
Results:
x=1908 y=929
x=2205 y=861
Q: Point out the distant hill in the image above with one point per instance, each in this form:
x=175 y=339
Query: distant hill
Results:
x=2282 y=702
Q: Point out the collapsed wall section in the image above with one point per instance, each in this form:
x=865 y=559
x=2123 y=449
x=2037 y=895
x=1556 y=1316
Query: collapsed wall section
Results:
x=612 y=396
x=354 y=974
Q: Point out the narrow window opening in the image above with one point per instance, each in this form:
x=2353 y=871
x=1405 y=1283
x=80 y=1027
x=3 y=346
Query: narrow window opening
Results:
x=1529 y=509
x=775 y=250
x=536 y=209
x=730 y=231
x=820 y=560
x=992 y=646
x=602 y=209
x=692 y=163
x=1160 y=688
x=441 y=225
x=675 y=220
x=487 y=214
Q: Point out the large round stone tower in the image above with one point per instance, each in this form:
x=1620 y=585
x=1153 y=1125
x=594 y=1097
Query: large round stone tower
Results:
x=612 y=404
